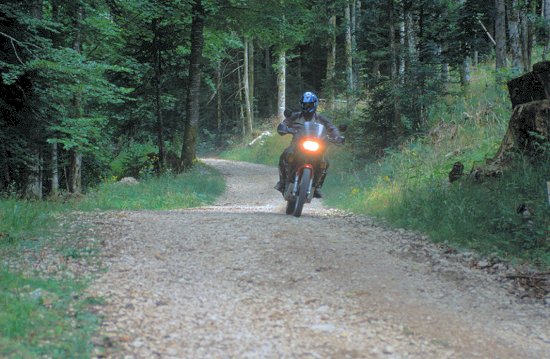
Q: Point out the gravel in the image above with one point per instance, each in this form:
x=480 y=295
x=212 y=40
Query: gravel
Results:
x=240 y=279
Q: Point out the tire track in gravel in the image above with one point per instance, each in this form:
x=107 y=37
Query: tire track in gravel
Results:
x=240 y=279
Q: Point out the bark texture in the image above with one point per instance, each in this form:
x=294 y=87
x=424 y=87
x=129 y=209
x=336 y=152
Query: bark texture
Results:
x=189 y=150
x=331 y=64
x=500 y=34
x=281 y=85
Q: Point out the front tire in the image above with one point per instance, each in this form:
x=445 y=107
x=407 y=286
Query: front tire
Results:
x=290 y=205
x=305 y=181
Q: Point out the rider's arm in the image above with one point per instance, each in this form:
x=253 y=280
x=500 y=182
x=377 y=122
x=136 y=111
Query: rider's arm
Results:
x=332 y=130
x=287 y=123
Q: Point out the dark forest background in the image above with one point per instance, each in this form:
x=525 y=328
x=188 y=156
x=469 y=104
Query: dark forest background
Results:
x=95 y=89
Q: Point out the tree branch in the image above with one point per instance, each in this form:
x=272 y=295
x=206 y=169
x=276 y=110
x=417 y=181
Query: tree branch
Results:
x=487 y=32
x=15 y=51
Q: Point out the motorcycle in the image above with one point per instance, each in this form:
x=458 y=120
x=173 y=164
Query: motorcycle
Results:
x=306 y=166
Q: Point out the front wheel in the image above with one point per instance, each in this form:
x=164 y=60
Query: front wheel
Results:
x=303 y=187
x=290 y=205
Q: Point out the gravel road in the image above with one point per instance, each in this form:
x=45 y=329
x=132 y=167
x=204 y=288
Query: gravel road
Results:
x=240 y=279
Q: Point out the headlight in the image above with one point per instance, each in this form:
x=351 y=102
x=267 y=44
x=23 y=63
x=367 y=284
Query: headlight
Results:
x=311 y=146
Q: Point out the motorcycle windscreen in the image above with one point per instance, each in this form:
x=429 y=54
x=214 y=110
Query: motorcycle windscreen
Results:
x=314 y=129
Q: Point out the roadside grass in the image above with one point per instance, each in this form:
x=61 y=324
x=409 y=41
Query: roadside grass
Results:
x=43 y=316
x=409 y=187
x=266 y=152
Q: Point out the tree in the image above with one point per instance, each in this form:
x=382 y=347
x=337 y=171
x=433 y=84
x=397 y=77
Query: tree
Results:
x=189 y=150
x=500 y=34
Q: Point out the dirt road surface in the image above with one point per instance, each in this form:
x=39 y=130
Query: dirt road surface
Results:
x=240 y=279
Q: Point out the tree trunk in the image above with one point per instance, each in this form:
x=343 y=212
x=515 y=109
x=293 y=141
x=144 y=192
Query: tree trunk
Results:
x=76 y=157
x=402 y=32
x=299 y=68
x=500 y=34
x=189 y=148
x=241 y=106
x=349 y=61
x=269 y=80
x=358 y=85
x=391 y=37
x=75 y=185
x=246 y=87
x=251 y=77
x=219 y=80
x=55 y=171
x=410 y=38
x=6 y=178
x=158 y=101
x=546 y=17
x=513 y=35
x=281 y=85
x=33 y=188
x=331 y=65
x=465 y=76
x=526 y=41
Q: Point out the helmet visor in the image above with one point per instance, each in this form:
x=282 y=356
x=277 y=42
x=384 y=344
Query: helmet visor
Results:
x=308 y=106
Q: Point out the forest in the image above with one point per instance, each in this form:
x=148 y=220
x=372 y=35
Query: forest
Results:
x=96 y=89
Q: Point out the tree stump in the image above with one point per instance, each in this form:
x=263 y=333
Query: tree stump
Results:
x=529 y=127
x=528 y=131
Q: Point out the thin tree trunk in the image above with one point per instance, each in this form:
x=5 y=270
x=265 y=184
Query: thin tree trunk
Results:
x=353 y=18
x=546 y=17
x=33 y=189
x=299 y=68
x=76 y=157
x=465 y=76
x=251 y=77
x=358 y=85
x=241 y=106
x=219 y=80
x=500 y=34
x=246 y=86
x=331 y=64
x=55 y=171
x=158 y=101
x=269 y=79
x=349 y=60
x=34 y=179
x=513 y=35
x=527 y=34
x=189 y=148
x=281 y=85
x=6 y=178
x=402 y=32
x=391 y=36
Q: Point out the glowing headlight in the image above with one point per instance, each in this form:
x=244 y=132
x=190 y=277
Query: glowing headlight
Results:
x=311 y=146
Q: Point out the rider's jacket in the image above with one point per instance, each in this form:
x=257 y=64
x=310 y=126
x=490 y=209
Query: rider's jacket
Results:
x=297 y=119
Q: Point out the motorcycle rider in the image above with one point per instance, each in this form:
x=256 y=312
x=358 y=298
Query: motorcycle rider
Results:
x=291 y=124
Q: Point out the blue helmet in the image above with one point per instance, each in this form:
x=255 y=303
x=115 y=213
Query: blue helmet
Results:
x=309 y=102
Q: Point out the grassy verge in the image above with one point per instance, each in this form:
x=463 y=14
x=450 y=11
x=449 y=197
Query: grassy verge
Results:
x=266 y=152
x=45 y=315
x=43 y=318
x=409 y=186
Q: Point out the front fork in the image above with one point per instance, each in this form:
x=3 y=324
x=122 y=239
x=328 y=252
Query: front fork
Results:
x=298 y=175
